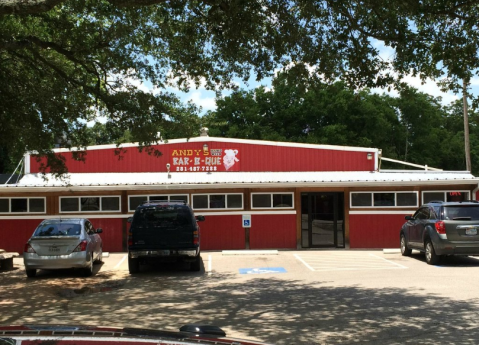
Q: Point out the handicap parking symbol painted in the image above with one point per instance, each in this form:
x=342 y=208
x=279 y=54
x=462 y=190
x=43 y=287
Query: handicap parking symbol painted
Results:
x=262 y=270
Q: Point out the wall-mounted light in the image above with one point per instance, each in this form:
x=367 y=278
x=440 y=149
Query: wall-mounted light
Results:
x=370 y=156
x=168 y=169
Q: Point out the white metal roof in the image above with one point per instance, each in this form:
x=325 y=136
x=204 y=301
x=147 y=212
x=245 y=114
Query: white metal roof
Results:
x=198 y=180
x=232 y=141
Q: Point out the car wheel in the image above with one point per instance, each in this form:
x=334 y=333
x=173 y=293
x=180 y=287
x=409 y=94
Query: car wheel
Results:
x=133 y=265
x=405 y=251
x=31 y=272
x=88 y=271
x=431 y=257
x=195 y=266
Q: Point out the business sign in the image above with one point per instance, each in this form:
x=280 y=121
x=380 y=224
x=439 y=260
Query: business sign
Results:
x=192 y=160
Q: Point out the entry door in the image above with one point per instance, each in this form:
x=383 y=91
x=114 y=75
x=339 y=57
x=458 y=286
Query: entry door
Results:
x=322 y=220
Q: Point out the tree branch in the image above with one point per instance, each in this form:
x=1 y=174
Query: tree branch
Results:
x=27 y=6
x=23 y=7
x=135 y=3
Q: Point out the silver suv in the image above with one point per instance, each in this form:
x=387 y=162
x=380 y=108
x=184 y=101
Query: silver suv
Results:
x=442 y=228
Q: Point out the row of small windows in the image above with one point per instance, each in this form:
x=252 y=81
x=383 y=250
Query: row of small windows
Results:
x=22 y=205
x=90 y=204
x=230 y=201
x=137 y=200
x=403 y=199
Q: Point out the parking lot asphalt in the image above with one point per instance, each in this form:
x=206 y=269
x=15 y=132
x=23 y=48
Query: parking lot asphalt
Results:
x=287 y=297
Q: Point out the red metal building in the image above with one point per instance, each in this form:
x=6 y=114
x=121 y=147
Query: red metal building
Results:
x=254 y=194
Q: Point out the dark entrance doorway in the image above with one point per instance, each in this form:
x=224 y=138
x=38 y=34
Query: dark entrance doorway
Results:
x=322 y=220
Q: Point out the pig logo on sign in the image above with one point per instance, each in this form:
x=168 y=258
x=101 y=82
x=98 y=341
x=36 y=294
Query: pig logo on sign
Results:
x=229 y=159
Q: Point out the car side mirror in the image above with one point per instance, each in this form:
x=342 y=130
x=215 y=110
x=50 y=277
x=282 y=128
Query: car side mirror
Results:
x=99 y=230
x=200 y=218
x=130 y=219
x=409 y=218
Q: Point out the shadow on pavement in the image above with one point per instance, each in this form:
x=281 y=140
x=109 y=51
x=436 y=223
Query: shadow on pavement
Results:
x=265 y=308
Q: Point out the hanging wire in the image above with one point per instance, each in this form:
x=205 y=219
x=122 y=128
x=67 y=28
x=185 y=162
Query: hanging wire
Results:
x=20 y=172
x=19 y=163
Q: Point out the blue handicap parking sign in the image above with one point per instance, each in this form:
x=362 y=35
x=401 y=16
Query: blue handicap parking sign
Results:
x=262 y=270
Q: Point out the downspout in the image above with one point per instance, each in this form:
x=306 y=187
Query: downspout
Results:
x=26 y=166
x=378 y=161
x=474 y=192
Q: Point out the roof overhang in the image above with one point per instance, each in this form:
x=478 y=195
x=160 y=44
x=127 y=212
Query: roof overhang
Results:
x=196 y=180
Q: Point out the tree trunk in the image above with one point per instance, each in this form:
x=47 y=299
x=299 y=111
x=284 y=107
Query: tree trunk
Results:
x=466 y=127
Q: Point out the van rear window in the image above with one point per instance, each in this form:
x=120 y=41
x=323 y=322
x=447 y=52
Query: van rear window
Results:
x=461 y=212
x=160 y=216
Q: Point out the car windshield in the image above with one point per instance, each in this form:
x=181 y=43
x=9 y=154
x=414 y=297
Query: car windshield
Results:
x=163 y=215
x=461 y=212
x=58 y=229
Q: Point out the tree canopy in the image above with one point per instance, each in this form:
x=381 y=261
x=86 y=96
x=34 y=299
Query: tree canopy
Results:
x=66 y=62
x=413 y=126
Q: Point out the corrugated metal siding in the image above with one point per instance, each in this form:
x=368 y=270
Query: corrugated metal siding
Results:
x=222 y=232
x=375 y=230
x=273 y=231
x=251 y=158
x=112 y=235
x=14 y=233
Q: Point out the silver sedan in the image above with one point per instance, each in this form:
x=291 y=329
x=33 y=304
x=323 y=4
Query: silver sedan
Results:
x=63 y=243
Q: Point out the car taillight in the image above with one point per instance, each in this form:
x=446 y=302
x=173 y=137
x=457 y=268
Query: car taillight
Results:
x=440 y=227
x=196 y=237
x=130 y=239
x=28 y=248
x=81 y=247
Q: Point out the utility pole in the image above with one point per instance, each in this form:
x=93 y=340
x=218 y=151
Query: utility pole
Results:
x=466 y=126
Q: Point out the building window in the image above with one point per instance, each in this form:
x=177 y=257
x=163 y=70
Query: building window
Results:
x=136 y=200
x=19 y=205
x=361 y=199
x=110 y=203
x=90 y=204
x=217 y=201
x=234 y=200
x=22 y=205
x=460 y=195
x=406 y=199
x=272 y=200
x=384 y=199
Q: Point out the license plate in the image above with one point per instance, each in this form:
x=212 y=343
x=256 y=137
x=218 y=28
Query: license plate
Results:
x=53 y=249
x=471 y=231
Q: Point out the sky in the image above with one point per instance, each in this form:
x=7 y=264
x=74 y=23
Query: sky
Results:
x=206 y=99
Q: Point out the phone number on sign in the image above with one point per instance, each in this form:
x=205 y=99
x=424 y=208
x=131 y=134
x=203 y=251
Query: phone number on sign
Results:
x=196 y=168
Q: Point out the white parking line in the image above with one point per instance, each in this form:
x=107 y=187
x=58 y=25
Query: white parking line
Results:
x=304 y=262
x=346 y=262
x=121 y=261
x=394 y=263
x=209 y=264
